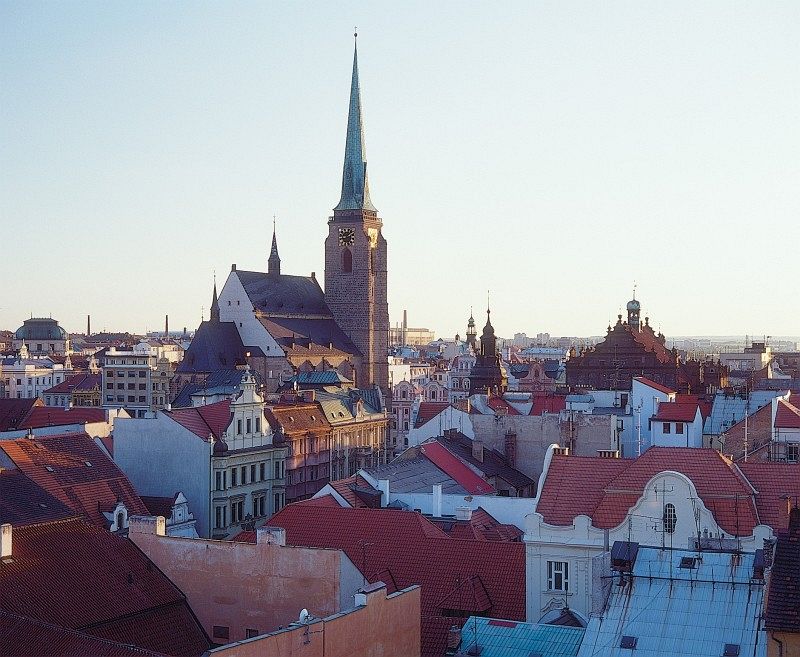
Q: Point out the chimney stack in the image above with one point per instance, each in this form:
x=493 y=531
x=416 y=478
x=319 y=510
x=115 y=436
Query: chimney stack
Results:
x=88 y=325
x=166 y=326
x=5 y=540
x=477 y=449
x=383 y=486
x=271 y=536
x=463 y=513
x=437 y=500
x=404 y=336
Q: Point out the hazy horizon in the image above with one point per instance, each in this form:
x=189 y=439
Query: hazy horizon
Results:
x=553 y=153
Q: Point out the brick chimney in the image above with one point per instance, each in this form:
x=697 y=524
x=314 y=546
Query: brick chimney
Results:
x=5 y=540
x=608 y=453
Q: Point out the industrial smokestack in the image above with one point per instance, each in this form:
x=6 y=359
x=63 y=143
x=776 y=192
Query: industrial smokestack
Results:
x=405 y=328
x=166 y=326
x=88 y=325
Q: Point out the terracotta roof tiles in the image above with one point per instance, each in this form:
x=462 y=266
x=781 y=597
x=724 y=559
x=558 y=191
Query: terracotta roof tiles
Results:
x=405 y=548
x=204 y=421
x=74 y=470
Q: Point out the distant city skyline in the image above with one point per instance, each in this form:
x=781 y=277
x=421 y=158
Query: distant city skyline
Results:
x=551 y=153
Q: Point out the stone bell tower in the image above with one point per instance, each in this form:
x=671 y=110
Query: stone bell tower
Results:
x=355 y=257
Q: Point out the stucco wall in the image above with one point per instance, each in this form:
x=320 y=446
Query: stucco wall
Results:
x=387 y=626
x=160 y=456
x=258 y=586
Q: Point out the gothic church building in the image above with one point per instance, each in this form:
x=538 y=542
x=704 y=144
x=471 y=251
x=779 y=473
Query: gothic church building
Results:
x=280 y=323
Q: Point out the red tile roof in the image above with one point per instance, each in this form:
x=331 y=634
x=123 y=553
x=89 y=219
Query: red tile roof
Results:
x=778 y=485
x=654 y=385
x=77 y=576
x=547 y=403
x=455 y=468
x=348 y=488
x=159 y=506
x=399 y=548
x=53 y=416
x=14 y=411
x=605 y=489
x=22 y=637
x=204 y=421
x=74 y=470
x=429 y=410
x=482 y=526
x=703 y=401
x=787 y=416
x=81 y=381
x=675 y=412
x=500 y=404
x=22 y=502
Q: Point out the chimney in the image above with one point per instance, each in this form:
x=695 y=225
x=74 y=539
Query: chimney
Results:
x=271 y=536
x=463 y=513
x=233 y=267
x=88 y=325
x=309 y=396
x=147 y=525
x=404 y=336
x=383 y=486
x=477 y=449
x=5 y=540
x=437 y=500
x=166 y=326
x=608 y=453
x=453 y=639
x=561 y=451
x=369 y=592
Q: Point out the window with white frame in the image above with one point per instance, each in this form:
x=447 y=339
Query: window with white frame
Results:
x=558 y=576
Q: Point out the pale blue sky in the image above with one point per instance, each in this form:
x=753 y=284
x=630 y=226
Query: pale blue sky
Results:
x=551 y=151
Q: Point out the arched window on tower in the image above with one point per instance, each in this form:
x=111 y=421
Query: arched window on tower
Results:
x=347 y=261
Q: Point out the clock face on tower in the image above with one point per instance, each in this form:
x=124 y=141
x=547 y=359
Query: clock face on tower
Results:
x=346 y=236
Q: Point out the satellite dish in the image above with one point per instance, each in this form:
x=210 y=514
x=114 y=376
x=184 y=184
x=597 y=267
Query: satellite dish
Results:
x=304 y=616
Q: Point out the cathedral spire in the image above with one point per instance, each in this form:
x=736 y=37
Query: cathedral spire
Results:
x=355 y=185
x=274 y=262
x=215 y=304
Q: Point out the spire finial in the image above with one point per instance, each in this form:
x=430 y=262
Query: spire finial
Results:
x=355 y=33
x=488 y=304
x=355 y=185
x=634 y=290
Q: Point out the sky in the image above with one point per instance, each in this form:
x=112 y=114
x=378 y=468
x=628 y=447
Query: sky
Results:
x=550 y=152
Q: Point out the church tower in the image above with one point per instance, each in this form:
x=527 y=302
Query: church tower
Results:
x=355 y=257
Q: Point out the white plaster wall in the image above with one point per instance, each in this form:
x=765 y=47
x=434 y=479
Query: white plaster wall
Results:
x=508 y=510
x=449 y=418
x=235 y=306
x=160 y=457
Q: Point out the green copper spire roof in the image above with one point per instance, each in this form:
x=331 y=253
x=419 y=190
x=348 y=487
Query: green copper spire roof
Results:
x=355 y=185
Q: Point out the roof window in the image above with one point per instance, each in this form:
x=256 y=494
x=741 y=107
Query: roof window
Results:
x=731 y=650
x=689 y=562
x=88 y=464
x=49 y=468
x=628 y=642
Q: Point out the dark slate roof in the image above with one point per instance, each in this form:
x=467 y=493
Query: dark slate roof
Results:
x=215 y=346
x=317 y=335
x=412 y=473
x=283 y=294
x=494 y=464
x=324 y=378
x=218 y=382
x=783 y=603
x=22 y=502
